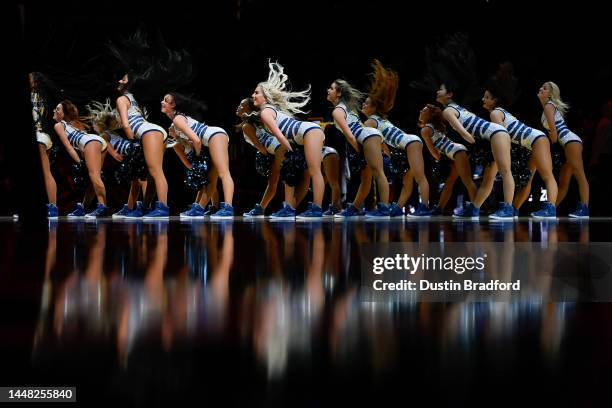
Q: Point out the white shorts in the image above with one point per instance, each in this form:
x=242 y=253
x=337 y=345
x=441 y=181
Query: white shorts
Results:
x=44 y=139
x=365 y=133
x=91 y=138
x=404 y=141
x=327 y=151
x=569 y=137
x=212 y=131
x=140 y=127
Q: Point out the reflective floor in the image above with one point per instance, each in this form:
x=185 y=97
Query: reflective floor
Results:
x=271 y=314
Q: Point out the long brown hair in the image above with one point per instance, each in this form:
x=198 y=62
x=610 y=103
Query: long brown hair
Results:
x=383 y=88
x=71 y=115
x=433 y=115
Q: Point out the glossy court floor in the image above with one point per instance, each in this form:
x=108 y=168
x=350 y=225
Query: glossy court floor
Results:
x=258 y=313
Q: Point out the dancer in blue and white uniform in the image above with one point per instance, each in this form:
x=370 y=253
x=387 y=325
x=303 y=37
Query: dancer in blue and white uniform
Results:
x=433 y=132
x=199 y=134
x=554 y=122
x=152 y=138
x=376 y=107
x=500 y=91
x=71 y=131
x=470 y=126
x=346 y=100
x=276 y=107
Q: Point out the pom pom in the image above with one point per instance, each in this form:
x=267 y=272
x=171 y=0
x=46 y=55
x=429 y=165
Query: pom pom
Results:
x=292 y=167
x=263 y=163
x=357 y=161
x=197 y=176
x=80 y=176
x=519 y=166
x=440 y=170
x=399 y=162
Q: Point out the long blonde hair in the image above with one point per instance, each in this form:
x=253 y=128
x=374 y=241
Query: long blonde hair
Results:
x=555 y=97
x=383 y=88
x=276 y=92
x=102 y=116
x=351 y=96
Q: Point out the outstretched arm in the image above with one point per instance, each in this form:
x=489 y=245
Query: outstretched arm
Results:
x=249 y=131
x=452 y=120
x=426 y=133
x=340 y=119
x=180 y=123
x=123 y=104
x=268 y=119
x=59 y=129
x=549 y=114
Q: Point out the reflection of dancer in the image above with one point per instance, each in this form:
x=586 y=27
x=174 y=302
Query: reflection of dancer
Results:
x=83 y=297
x=143 y=300
x=71 y=132
x=276 y=106
x=553 y=121
x=433 y=132
x=376 y=107
x=39 y=114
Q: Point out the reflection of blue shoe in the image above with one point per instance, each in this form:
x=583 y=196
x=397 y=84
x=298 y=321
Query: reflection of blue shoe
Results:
x=331 y=211
x=160 y=212
x=504 y=212
x=548 y=211
x=381 y=211
x=421 y=212
x=516 y=213
x=100 y=211
x=395 y=210
x=313 y=212
x=469 y=212
x=287 y=212
x=226 y=211
x=196 y=211
x=78 y=212
x=256 y=212
x=581 y=211
x=52 y=211
x=349 y=211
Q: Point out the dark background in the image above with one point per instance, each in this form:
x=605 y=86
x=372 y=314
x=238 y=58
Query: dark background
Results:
x=316 y=42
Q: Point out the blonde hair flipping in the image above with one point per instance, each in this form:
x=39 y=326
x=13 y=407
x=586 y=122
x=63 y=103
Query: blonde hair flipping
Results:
x=555 y=97
x=276 y=92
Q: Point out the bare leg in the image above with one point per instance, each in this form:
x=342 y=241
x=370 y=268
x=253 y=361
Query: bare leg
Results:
x=331 y=167
x=220 y=158
x=93 y=161
x=154 y=148
x=415 y=159
x=313 y=144
x=50 y=185
x=373 y=155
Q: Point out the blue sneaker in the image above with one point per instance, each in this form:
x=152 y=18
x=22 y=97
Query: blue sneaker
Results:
x=382 y=211
x=210 y=210
x=256 y=212
x=331 y=211
x=469 y=212
x=79 y=211
x=100 y=211
x=226 y=211
x=196 y=211
x=548 y=211
x=314 y=212
x=137 y=212
x=349 y=212
x=395 y=210
x=160 y=212
x=52 y=211
x=504 y=212
x=435 y=211
x=287 y=212
x=125 y=210
x=581 y=211
x=421 y=212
